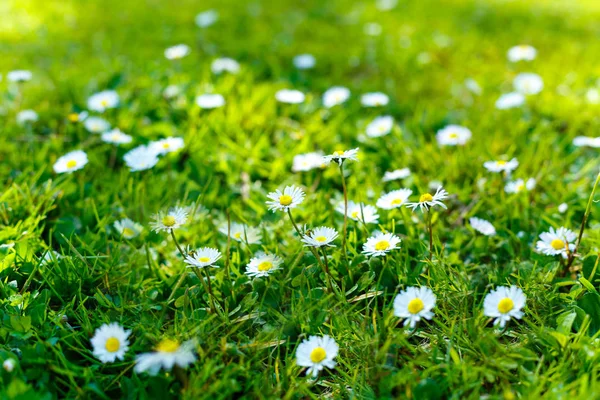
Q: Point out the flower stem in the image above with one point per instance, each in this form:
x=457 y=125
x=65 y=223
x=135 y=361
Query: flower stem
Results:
x=207 y=287
x=430 y=227
x=345 y=208
x=326 y=267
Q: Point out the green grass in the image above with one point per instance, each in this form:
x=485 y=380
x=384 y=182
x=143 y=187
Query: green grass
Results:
x=236 y=155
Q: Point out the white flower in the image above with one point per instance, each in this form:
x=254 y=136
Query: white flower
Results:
x=380 y=126
x=592 y=96
x=503 y=304
x=19 y=75
x=413 y=304
x=559 y=241
x=140 y=158
x=167 y=145
x=110 y=342
x=374 y=99
x=482 y=226
x=380 y=244
x=177 y=52
x=50 y=257
x=203 y=257
x=317 y=353
x=562 y=208
x=510 y=100
x=473 y=86
x=206 y=18
x=9 y=365
x=335 y=95
x=340 y=155
x=304 y=61
x=96 y=125
x=308 y=161
x=519 y=185
x=283 y=201
x=70 y=162
x=360 y=212
x=171 y=91
x=242 y=233
x=426 y=200
x=522 y=52
x=102 y=101
x=168 y=353
x=263 y=264
x=386 y=5
x=26 y=116
x=393 y=199
x=396 y=174
x=528 y=83
x=116 y=137
x=210 y=101
x=225 y=64
x=128 y=229
x=173 y=219
x=453 y=135
x=289 y=96
x=583 y=141
x=319 y=237
x=501 y=166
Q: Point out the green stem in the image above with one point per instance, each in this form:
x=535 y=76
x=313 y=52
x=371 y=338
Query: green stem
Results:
x=345 y=208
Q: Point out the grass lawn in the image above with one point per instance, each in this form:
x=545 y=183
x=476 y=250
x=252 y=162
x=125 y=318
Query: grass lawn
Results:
x=121 y=233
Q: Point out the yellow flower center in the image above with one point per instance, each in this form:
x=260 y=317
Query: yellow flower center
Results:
x=321 y=239
x=115 y=137
x=505 y=305
x=520 y=187
x=237 y=235
x=381 y=128
x=112 y=344
x=354 y=214
x=415 y=306
x=73 y=117
x=382 y=245
x=557 y=244
x=265 y=266
x=104 y=103
x=453 y=135
x=166 y=145
x=128 y=232
x=285 y=200
x=204 y=259
x=71 y=164
x=338 y=153
x=396 y=202
x=425 y=197
x=168 y=220
x=318 y=354
x=167 y=346
x=501 y=163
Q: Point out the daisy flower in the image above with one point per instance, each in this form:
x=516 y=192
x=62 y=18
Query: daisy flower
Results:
x=291 y=197
x=172 y=91
x=427 y=200
x=340 y=155
x=225 y=64
x=307 y=161
x=317 y=353
x=393 y=199
x=210 y=101
x=96 y=125
x=167 y=145
x=559 y=241
x=206 y=18
x=102 y=101
x=563 y=207
x=396 y=174
x=9 y=365
x=263 y=264
x=110 y=342
x=482 y=226
x=380 y=126
x=167 y=354
x=374 y=99
x=128 y=229
x=203 y=257
x=177 y=52
x=78 y=117
x=521 y=52
x=501 y=166
x=116 y=137
x=304 y=61
x=510 y=100
x=26 y=116
x=335 y=96
x=519 y=185
x=173 y=219
x=319 y=237
x=585 y=141
x=528 y=83
x=289 y=96
x=70 y=162
x=413 y=304
x=19 y=75
x=140 y=158
x=242 y=233
x=503 y=304
x=453 y=135
x=380 y=244
x=360 y=212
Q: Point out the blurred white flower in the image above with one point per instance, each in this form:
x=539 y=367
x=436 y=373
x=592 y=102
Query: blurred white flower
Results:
x=116 y=137
x=140 y=158
x=221 y=65
x=210 y=101
x=453 y=135
x=177 y=52
x=528 y=83
x=396 y=174
x=19 y=75
x=103 y=100
x=380 y=126
x=26 y=116
x=96 y=125
x=206 y=18
x=289 y=96
x=521 y=52
x=372 y=29
x=304 y=61
x=510 y=100
x=335 y=95
x=374 y=99
x=482 y=226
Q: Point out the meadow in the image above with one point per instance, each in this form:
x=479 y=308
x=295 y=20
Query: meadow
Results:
x=340 y=199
